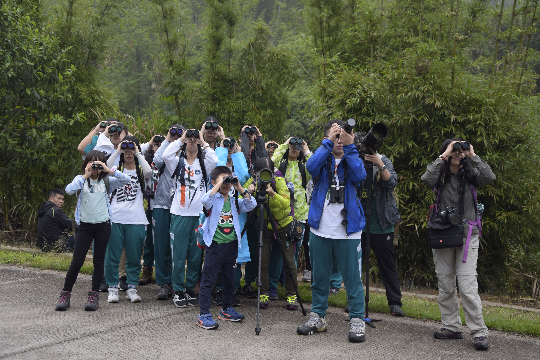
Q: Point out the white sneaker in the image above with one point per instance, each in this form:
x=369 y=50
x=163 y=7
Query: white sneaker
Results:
x=113 y=295
x=131 y=294
x=307 y=276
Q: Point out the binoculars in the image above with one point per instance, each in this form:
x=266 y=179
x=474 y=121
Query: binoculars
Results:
x=176 y=131
x=461 y=145
x=127 y=145
x=97 y=166
x=297 y=143
x=192 y=133
x=104 y=124
x=229 y=143
x=210 y=125
x=272 y=145
x=230 y=180
x=115 y=128
x=159 y=138
x=337 y=193
x=250 y=130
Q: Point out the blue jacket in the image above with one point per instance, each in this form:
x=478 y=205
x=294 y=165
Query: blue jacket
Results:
x=318 y=165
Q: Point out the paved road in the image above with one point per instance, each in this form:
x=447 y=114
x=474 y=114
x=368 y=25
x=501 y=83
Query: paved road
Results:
x=30 y=328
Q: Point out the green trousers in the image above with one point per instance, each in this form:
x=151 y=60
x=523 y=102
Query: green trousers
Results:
x=184 y=248
x=131 y=237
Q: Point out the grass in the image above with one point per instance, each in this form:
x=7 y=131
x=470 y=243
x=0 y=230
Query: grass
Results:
x=498 y=318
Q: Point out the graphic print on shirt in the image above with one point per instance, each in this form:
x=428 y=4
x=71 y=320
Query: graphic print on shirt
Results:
x=129 y=191
x=189 y=189
x=225 y=224
x=96 y=188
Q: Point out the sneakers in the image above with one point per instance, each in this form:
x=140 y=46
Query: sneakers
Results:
x=264 y=301
x=104 y=287
x=396 y=310
x=113 y=295
x=313 y=325
x=445 y=334
x=191 y=298
x=123 y=285
x=180 y=300
x=165 y=292
x=249 y=292
x=217 y=297
x=333 y=291
x=358 y=331
x=272 y=294
x=481 y=343
x=146 y=277
x=230 y=314
x=92 y=303
x=132 y=295
x=292 y=303
x=206 y=322
x=63 y=301
x=306 y=276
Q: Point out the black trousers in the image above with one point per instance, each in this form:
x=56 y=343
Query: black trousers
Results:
x=383 y=246
x=99 y=233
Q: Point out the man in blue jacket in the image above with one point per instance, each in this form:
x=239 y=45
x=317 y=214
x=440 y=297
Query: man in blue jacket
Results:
x=336 y=220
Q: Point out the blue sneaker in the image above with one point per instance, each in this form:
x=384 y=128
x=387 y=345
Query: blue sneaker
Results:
x=206 y=322
x=230 y=314
x=272 y=294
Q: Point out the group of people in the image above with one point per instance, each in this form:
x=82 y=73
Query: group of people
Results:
x=201 y=189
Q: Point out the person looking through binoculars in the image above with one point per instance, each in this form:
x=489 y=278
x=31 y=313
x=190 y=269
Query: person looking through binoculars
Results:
x=190 y=170
x=105 y=137
x=271 y=147
x=336 y=220
x=252 y=144
x=455 y=175
x=212 y=131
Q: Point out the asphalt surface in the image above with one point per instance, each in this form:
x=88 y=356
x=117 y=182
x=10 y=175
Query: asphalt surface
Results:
x=30 y=328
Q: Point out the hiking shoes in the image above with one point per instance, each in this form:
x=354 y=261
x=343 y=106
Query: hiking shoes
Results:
x=396 y=310
x=146 y=277
x=123 y=285
x=249 y=292
x=481 y=343
x=104 y=287
x=264 y=301
x=230 y=314
x=165 y=292
x=444 y=334
x=292 y=303
x=132 y=295
x=313 y=325
x=217 y=297
x=63 y=301
x=306 y=276
x=92 y=303
x=113 y=295
x=357 y=334
x=191 y=298
x=206 y=322
x=272 y=294
x=179 y=299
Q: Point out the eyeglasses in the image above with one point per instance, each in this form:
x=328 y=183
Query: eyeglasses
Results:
x=272 y=145
x=127 y=145
x=229 y=143
x=176 y=131
x=192 y=133
x=251 y=130
x=115 y=128
x=211 y=125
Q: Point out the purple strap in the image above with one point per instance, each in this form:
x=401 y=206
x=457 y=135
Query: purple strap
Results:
x=471 y=224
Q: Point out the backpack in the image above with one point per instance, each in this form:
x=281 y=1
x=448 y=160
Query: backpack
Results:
x=301 y=166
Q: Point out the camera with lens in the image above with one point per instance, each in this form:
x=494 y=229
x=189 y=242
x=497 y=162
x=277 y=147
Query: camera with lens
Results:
x=450 y=216
x=265 y=177
x=337 y=193
x=348 y=125
x=97 y=166
x=297 y=143
x=230 y=180
x=373 y=140
x=464 y=145
x=127 y=145
x=229 y=143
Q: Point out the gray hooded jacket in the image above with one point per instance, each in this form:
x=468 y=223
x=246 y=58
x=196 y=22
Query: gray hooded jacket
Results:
x=163 y=195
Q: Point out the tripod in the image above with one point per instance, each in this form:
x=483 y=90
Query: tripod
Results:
x=367 y=211
x=262 y=205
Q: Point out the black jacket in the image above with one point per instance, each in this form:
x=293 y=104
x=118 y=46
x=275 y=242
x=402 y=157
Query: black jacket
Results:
x=52 y=221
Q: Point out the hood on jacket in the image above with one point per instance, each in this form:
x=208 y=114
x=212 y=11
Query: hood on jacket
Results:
x=45 y=207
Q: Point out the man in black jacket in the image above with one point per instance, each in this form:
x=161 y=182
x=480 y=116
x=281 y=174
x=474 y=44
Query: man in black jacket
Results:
x=52 y=223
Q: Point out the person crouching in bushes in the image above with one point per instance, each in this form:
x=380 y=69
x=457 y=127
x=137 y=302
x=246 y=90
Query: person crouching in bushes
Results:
x=93 y=214
x=279 y=202
x=221 y=235
x=458 y=167
x=128 y=219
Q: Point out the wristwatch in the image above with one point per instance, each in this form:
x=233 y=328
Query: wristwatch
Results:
x=383 y=168
x=244 y=193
